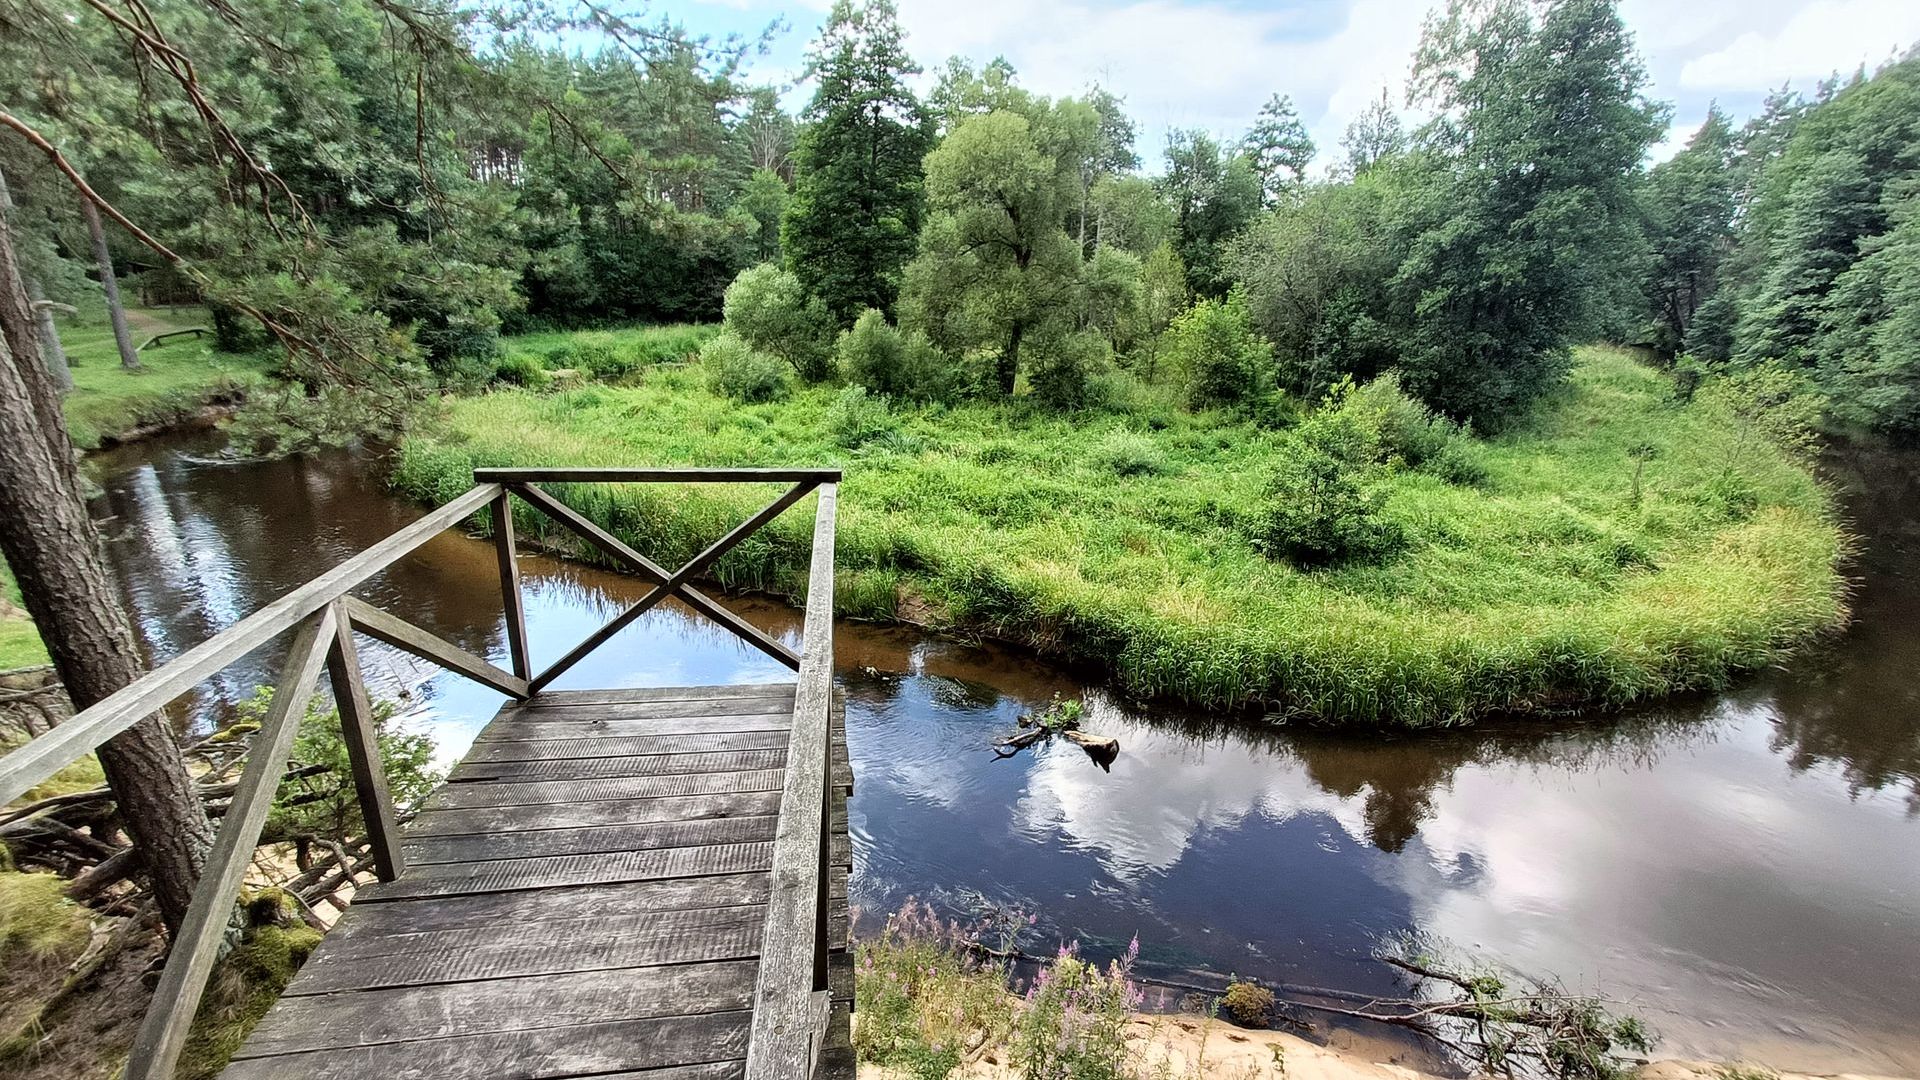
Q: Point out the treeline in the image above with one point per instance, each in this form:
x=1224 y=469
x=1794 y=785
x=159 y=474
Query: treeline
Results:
x=386 y=189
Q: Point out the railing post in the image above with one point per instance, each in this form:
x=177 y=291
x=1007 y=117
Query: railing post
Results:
x=163 y=1031
x=363 y=748
x=510 y=585
x=789 y=1005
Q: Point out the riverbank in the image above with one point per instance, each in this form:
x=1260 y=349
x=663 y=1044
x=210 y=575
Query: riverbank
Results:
x=180 y=383
x=1621 y=547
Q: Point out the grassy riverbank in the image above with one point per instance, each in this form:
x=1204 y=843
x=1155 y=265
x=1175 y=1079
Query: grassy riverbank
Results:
x=175 y=380
x=1115 y=538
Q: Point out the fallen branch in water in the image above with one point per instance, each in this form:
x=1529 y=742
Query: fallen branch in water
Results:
x=1061 y=717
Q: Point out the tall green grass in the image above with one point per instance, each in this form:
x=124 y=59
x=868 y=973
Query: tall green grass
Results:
x=1545 y=585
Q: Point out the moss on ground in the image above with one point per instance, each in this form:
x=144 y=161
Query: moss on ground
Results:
x=247 y=983
x=1543 y=584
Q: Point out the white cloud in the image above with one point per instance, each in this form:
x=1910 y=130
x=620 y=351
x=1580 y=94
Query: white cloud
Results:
x=1206 y=65
x=1811 y=43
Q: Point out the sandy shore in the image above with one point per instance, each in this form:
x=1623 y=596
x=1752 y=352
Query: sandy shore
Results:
x=1196 y=1048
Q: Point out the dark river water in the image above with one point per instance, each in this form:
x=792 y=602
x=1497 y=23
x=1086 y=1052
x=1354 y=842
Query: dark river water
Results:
x=1743 y=870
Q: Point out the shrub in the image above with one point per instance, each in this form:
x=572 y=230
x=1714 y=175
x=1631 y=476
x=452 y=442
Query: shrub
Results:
x=1249 y=1004
x=1406 y=428
x=857 y=416
x=1127 y=453
x=1224 y=360
x=769 y=309
x=1062 y=369
x=1318 y=508
x=675 y=343
x=881 y=358
x=741 y=371
x=599 y=355
x=522 y=369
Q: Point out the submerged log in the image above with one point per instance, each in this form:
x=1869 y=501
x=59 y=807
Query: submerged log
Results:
x=1099 y=743
x=1025 y=738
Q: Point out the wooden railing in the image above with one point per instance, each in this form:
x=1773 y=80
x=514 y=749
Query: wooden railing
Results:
x=324 y=617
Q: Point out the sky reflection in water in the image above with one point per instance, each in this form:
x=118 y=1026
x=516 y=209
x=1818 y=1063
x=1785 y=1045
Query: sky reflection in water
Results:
x=1722 y=864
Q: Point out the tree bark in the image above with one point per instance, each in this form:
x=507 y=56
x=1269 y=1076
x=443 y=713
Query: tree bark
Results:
x=110 y=285
x=55 y=553
x=51 y=350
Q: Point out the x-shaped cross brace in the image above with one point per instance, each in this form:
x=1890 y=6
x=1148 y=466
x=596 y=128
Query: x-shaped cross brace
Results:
x=666 y=584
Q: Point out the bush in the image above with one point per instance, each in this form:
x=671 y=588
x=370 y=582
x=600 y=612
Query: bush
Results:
x=1406 y=428
x=1249 y=1004
x=522 y=369
x=769 y=309
x=1127 y=453
x=857 y=416
x=598 y=354
x=1061 y=370
x=881 y=358
x=1225 y=362
x=1318 y=509
x=671 y=344
x=741 y=371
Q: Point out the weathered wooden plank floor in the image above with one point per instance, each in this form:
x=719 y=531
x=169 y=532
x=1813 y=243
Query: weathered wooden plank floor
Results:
x=585 y=897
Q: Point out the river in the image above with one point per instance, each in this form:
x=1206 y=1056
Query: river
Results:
x=1742 y=869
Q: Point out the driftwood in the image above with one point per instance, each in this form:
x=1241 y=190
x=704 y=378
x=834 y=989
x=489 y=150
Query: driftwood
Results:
x=1101 y=748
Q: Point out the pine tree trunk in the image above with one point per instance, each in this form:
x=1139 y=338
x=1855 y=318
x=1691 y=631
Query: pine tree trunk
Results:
x=51 y=350
x=56 y=554
x=110 y=285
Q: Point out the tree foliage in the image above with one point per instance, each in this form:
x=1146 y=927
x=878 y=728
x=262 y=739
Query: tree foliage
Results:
x=856 y=210
x=1279 y=148
x=1540 y=126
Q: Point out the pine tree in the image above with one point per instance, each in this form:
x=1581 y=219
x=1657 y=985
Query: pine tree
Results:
x=1690 y=204
x=1279 y=148
x=856 y=209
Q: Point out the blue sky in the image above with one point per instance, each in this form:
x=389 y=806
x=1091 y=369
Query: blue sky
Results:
x=1211 y=63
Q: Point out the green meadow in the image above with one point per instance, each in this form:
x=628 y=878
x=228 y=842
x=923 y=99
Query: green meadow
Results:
x=1120 y=538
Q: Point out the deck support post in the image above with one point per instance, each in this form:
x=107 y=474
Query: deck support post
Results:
x=510 y=597
x=363 y=748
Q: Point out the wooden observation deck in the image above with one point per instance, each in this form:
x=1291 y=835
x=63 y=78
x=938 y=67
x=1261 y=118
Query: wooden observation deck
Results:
x=643 y=884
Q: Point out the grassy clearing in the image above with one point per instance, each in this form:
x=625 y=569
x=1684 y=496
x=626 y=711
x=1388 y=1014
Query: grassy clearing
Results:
x=20 y=644
x=175 y=379
x=530 y=359
x=1121 y=538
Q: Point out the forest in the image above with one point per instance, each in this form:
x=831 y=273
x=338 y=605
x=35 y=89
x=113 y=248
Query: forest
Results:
x=1482 y=365
x=384 y=192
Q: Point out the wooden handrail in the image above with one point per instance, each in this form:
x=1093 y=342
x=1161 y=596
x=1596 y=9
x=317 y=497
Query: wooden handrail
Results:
x=73 y=739
x=163 y=1031
x=327 y=617
x=589 y=475
x=673 y=582
x=788 y=1025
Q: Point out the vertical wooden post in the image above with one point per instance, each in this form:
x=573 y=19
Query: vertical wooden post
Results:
x=163 y=1031
x=363 y=748
x=510 y=585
